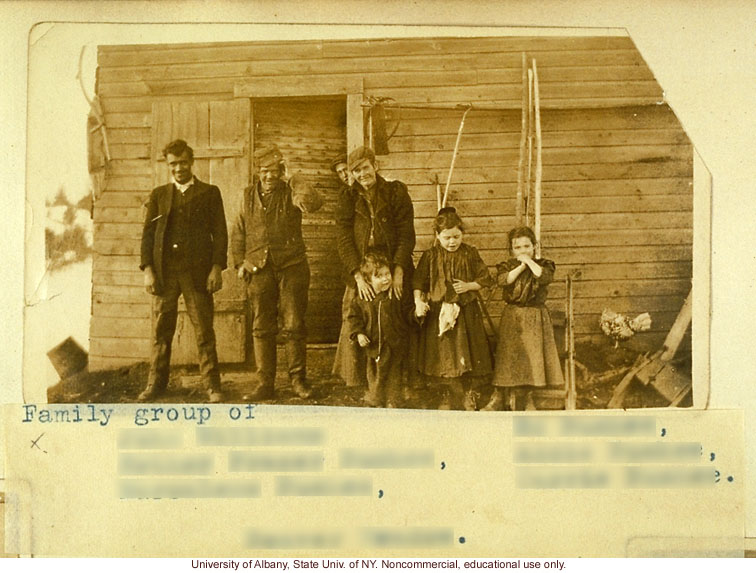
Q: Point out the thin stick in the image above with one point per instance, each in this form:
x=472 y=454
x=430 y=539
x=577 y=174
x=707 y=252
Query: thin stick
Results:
x=523 y=140
x=530 y=146
x=572 y=390
x=438 y=193
x=454 y=156
x=539 y=161
x=370 y=129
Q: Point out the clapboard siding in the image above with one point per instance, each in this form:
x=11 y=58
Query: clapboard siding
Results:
x=617 y=166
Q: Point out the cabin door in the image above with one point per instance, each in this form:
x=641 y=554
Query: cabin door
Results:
x=219 y=133
x=310 y=132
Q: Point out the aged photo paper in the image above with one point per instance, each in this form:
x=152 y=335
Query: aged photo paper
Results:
x=653 y=462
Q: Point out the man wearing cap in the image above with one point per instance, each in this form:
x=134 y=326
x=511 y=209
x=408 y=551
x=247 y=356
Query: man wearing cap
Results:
x=269 y=253
x=184 y=250
x=373 y=214
x=340 y=167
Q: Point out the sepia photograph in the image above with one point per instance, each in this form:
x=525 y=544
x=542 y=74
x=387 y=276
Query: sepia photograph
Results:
x=477 y=222
x=280 y=270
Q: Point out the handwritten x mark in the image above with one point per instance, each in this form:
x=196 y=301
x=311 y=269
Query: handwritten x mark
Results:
x=35 y=443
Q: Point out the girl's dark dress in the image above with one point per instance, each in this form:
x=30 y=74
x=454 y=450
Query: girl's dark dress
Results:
x=463 y=349
x=526 y=354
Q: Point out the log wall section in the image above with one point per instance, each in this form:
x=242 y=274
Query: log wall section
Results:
x=617 y=173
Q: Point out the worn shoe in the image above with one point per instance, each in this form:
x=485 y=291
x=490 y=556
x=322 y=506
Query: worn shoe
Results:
x=260 y=392
x=496 y=403
x=214 y=395
x=470 y=402
x=151 y=392
x=301 y=389
x=371 y=401
x=446 y=403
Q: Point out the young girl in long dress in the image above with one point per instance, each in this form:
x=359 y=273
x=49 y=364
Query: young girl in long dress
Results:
x=526 y=355
x=453 y=346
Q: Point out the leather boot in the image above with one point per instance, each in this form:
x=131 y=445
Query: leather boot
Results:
x=296 y=357
x=214 y=394
x=265 y=358
x=496 y=403
x=152 y=391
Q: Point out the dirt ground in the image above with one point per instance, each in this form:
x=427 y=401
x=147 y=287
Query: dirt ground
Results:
x=602 y=368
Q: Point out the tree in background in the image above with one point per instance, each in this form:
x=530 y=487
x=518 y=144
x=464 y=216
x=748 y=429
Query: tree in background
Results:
x=68 y=233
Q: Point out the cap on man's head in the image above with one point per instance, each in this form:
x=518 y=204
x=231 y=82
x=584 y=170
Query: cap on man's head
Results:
x=268 y=156
x=337 y=161
x=360 y=154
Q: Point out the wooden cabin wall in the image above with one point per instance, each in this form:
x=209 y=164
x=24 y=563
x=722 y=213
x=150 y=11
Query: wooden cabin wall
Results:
x=617 y=175
x=616 y=203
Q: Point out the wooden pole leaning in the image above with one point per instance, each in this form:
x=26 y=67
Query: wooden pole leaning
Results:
x=538 y=161
x=523 y=141
x=530 y=148
x=454 y=156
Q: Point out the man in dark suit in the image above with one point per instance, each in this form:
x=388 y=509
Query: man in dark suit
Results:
x=184 y=250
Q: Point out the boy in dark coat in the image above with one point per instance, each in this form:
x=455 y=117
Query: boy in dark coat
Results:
x=381 y=327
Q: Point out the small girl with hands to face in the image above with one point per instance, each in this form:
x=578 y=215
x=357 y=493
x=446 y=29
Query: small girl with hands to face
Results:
x=526 y=355
x=453 y=346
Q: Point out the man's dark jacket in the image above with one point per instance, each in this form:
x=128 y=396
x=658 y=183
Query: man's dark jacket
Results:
x=394 y=223
x=276 y=231
x=207 y=238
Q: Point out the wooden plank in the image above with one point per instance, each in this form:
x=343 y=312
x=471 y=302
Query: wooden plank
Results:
x=119 y=199
x=469 y=158
x=630 y=305
x=211 y=153
x=129 y=135
x=298 y=86
x=425 y=207
x=594 y=221
x=576 y=256
x=621 y=271
x=129 y=150
x=612 y=65
x=331 y=83
x=252 y=51
x=122 y=310
x=121 y=328
x=134 y=183
x=116 y=246
x=574 y=238
x=142 y=104
x=121 y=231
x=559 y=173
x=115 y=263
x=105 y=215
x=138 y=167
x=118 y=278
x=565 y=139
x=354 y=122
x=400 y=45
x=125 y=348
x=431 y=122
x=97 y=363
x=626 y=288
x=127 y=120
x=555 y=190
x=575 y=94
